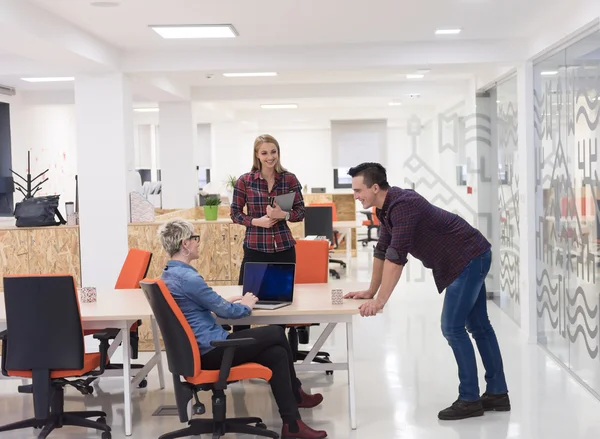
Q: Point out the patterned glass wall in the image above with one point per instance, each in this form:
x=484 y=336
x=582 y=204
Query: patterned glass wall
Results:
x=567 y=113
x=507 y=141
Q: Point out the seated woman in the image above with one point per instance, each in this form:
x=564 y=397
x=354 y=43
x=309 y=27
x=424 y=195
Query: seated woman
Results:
x=198 y=302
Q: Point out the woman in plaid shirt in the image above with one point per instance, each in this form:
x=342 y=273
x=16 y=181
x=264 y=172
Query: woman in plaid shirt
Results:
x=268 y=237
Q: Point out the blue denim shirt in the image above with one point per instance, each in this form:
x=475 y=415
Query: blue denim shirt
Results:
x=198 y=301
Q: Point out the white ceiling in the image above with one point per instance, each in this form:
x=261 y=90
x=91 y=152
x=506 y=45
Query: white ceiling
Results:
x=306 y=22
x=328 y=53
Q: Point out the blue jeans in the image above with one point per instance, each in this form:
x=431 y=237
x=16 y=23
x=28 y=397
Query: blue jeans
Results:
x=465 y=306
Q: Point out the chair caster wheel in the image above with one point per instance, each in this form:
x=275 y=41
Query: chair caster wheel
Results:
x=329 y=372
x=198 y=409
x=261 y=425
x=143 y=384
x=106 y=435
x=343 y=265
x=88 y=390
x=364 y=244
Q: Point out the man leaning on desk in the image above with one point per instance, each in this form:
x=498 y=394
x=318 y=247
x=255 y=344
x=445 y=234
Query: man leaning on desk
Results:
x=460 y=258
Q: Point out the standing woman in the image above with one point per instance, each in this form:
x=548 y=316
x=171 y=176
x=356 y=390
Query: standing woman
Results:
x=268 y=237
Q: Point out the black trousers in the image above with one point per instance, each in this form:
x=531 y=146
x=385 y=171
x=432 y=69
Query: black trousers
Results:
x=288 y=255
x=271 y=350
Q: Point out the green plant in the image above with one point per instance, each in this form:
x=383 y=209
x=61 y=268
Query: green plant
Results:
x=230 y=182
x=212 y=201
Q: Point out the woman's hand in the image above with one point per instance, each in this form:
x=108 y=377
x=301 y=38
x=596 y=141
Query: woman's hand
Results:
x=276 y=212
x=249 y=300
x=235 y=299
x=264 y=222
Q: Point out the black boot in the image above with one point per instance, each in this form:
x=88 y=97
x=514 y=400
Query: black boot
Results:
x=461 y=410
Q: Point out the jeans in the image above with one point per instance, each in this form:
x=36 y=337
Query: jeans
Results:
x=272 y=350
x=465 y=306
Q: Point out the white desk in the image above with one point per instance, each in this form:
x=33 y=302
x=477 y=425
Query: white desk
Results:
x=118 y=309
x=312 y=304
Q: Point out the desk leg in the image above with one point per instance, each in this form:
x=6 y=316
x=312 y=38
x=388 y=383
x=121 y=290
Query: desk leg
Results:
x=348 y=246
x=351 y=395
x=127 y=380
x=157 y=351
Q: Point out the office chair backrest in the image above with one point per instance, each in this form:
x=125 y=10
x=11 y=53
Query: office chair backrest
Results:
x=134 y=269
x=312 y=261
x=318 y=221
x=183 y=354
x=374 y=216
x=333 y=209
x=43 y=323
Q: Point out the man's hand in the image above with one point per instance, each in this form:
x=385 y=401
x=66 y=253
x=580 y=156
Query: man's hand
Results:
x=367 y=294
x=265 y=222
x=275 y=212
x=371 y=307
x=235 y=299
x=249 y=300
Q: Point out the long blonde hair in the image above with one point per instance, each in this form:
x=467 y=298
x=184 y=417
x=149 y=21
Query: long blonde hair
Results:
x=266 y=138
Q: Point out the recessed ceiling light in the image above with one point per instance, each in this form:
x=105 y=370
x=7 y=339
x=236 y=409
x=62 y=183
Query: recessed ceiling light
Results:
x=147 y=110
x=448 y=31
x=549 y=73
x=395 y=104
x=106 y=4
x=414 y=95
x=51 y=79
x=195 y=31
x=249 y=75
x=415 y=76
x=279 y=106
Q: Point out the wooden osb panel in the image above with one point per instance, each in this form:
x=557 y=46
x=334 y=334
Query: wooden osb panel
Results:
x=13 y=253
x=146 y=341
x=55 y=251
x=146 y=238
x=317 y=198
x=223 y=212
x=297 y=229
x=342 y=245
x=214 y=262
x=236 y=240
x=345 y=207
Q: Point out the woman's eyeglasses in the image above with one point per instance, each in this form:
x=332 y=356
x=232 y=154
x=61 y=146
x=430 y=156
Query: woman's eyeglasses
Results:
x=195 y=238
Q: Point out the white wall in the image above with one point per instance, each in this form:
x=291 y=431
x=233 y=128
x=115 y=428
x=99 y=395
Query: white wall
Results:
x=48 y=131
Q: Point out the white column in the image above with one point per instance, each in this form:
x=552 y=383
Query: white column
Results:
x=178 y=170
x=103 y=108
x=527 y=201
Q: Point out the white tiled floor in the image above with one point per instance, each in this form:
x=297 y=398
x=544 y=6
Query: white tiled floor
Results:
x=405 y=374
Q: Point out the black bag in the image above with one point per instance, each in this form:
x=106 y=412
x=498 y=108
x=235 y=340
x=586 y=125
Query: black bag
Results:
x=38 y=212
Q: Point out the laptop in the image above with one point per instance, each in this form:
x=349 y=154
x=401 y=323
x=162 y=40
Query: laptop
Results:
x=271 y=282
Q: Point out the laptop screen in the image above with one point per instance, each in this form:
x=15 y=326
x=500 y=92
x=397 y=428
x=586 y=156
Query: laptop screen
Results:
x=270 y=281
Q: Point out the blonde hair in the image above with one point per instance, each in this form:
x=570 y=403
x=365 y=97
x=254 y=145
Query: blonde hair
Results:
x=266 y=138
x=173 y=233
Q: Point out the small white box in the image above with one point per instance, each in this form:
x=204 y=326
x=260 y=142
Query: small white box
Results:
x=87 y=295
x=337 y=296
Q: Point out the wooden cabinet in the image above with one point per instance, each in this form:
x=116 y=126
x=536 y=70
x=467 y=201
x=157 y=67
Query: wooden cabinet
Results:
x=44 y=250
x=214 y=262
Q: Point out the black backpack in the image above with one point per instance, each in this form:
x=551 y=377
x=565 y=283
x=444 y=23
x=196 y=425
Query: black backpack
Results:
x=38 y=212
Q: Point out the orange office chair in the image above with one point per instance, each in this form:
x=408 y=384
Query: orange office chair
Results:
x=372 y=223
x=312 y=263
x=44 y=342
x=183 y=356
x=133 y=271
x=336 y=235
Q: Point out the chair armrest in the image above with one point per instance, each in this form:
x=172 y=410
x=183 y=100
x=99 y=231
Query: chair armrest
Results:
x=230 y=346
x=104 y=336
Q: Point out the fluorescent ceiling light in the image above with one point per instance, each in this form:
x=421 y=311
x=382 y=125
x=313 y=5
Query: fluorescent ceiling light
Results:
x=549 y=73
x=395 y=104
x=448 y=31
x=195 y=31
x=146 y=110
x=278 y=106
x=249 y=75
x=54 y=79
x=415 y=76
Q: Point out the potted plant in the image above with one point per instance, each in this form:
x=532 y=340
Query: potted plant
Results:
x=211 y=208
x=229 y=185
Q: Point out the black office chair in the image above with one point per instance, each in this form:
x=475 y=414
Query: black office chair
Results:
x=372 y=224
x=183 y=356
x=44 y=342
x=318 y=220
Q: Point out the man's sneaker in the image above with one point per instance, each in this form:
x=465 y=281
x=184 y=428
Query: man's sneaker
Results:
x=461 y=410
x=497 y=403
